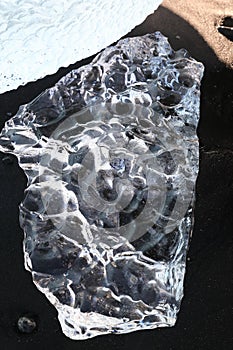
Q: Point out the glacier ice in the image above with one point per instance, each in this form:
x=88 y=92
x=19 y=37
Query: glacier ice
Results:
x=111 y=155
x=39 y=37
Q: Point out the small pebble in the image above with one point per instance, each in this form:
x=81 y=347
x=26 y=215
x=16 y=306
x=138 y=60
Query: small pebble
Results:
x=26 y=324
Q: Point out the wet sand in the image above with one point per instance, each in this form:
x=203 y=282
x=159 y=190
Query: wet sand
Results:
x=205 y=16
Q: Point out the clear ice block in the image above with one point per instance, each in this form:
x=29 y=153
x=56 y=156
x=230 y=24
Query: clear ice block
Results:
x=111 y=156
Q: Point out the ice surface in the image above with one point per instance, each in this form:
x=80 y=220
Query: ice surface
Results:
x=111 y=156
x=38 y=37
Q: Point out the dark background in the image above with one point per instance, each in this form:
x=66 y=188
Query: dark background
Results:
x=205 y=320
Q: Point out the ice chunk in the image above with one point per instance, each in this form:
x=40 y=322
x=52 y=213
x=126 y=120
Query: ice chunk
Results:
x=111 y=156
x=39 y=37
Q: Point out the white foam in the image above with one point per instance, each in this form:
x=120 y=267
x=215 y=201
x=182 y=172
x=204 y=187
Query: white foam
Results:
x=37 y=37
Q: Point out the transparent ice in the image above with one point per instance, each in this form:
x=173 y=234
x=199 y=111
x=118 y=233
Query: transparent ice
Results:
x=111 y=157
